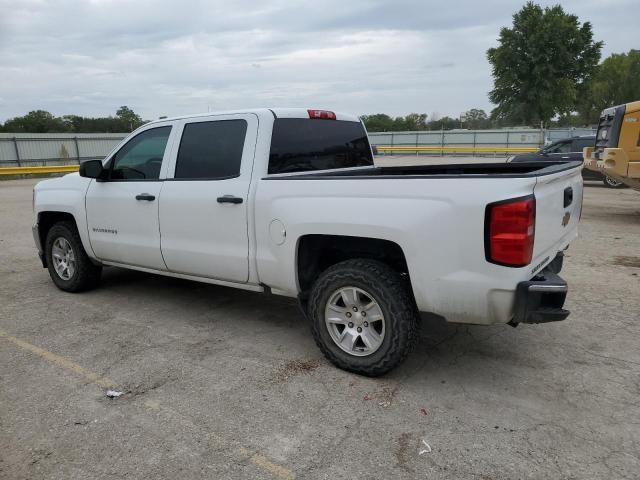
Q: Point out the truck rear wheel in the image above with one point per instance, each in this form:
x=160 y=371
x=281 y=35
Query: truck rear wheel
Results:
x=364 y=319
x=69 y=266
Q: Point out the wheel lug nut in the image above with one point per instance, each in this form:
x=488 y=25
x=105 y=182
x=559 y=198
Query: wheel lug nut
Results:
x=359 y=329
x=366 y=324
x=355 y=309
x=348 y=314
x=350 y=324
x=364 y=314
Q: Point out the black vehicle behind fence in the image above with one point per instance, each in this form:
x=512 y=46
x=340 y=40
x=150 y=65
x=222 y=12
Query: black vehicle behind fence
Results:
x=569 y=149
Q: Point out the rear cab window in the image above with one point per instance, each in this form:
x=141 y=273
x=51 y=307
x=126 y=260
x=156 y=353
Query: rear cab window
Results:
x=580 y=143
x=304 y=145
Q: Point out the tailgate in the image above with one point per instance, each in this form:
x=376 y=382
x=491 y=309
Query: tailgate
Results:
x=558 y=207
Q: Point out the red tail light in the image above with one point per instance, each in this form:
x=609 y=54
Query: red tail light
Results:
x=322 y=114
x=510 y=231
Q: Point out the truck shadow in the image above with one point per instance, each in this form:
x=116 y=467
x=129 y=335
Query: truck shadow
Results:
x=441 y=346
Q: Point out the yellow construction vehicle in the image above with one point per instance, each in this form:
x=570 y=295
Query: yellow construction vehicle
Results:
x=616 y=152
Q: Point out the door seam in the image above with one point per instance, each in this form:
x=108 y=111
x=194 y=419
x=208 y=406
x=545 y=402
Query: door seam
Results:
x=160 y=228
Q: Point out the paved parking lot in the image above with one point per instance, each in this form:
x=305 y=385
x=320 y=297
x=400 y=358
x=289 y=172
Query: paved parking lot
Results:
x=221 y=383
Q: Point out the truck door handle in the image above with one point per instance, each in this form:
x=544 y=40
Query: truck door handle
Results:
x=230 y=199
x=568 y=196
x=146 y=196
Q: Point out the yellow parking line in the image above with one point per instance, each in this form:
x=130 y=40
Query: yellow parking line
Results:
x=258 y=459
x=61 y=362
x=266 y=464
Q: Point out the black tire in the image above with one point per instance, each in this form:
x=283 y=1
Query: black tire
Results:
x=392 y=294
x=612 y=183
x=86 y=274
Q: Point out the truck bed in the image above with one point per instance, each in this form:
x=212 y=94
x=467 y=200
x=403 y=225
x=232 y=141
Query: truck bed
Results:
x=436 y=214
x=480 y=170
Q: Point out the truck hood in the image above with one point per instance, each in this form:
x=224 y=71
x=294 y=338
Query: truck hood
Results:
x=65 y=181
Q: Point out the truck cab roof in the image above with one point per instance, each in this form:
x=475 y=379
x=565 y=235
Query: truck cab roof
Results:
x=274 y=112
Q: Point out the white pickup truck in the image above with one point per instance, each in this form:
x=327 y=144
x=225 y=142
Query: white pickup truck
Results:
x=290 y=202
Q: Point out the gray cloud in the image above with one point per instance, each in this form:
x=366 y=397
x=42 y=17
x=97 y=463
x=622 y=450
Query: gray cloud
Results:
x=165 y=58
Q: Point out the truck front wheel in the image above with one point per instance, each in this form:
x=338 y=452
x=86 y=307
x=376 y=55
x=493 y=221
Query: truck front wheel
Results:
x=363 y=316
x=69 y=266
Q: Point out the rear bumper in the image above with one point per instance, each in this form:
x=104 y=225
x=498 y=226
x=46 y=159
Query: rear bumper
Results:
x=541 y=299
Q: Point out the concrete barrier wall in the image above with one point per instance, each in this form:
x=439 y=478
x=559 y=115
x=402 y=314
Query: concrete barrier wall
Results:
x=39 y=149
x=477 y=142
x=36 y=149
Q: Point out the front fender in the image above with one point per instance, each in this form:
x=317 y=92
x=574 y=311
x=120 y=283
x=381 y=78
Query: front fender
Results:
x=66 y=195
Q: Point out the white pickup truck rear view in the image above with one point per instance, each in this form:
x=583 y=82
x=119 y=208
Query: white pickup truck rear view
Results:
x=289 y=201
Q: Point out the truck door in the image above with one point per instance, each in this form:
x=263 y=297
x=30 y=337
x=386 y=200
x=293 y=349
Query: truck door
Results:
x=204 y=202
x=122 y=210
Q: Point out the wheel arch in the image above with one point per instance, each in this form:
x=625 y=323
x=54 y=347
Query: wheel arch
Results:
x=48 y=219
x=317 y=252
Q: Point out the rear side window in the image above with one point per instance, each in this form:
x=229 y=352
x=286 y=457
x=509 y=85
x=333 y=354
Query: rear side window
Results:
x=301 y=145
x=211 y=150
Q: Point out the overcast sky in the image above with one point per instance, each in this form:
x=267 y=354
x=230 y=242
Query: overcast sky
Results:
x=177 y=57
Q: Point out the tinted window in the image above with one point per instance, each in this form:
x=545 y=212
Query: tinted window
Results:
x=301 y=144
x=580 y=143
x=561 y=147
x=141 y=157
x=211 y=149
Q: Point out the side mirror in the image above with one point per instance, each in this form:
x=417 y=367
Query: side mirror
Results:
x=374 y=149
x=92 y=169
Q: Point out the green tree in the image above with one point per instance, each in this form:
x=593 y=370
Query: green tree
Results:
x=569 y=120
x=444 y=123
x=416 y=121
x=36 y=121
x=381 y=122
x=40 y=121
x=541 y=65
x=476 y=119
x=129 y=119
x=615 y=82
x=378 y=122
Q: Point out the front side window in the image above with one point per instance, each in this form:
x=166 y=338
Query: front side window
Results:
x=304 y=144
x=211 y=150
x=141 y=157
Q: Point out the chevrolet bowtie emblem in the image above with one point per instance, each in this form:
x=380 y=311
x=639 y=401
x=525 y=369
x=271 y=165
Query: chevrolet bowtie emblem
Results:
x=566 y=218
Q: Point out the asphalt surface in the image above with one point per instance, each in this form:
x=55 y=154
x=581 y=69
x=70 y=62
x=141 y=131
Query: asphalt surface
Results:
x=221 y=383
